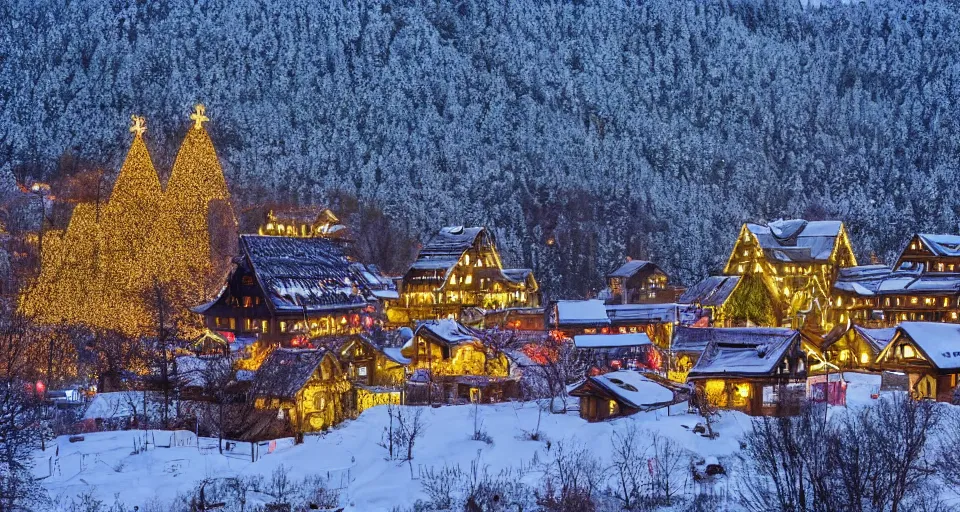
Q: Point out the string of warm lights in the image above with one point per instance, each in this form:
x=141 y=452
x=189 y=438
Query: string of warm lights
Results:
x=100 y=270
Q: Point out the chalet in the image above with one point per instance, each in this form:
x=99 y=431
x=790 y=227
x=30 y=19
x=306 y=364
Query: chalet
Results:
x=622 y=393
x=929 y=353
x=639 y=282
x=286 y=290
x=759 y=371
x=302 y=222
x=305 y=386
x=855 y=348
x=453 y=358
x=923 y=285
x=615 y=351
x=460 y=268
x=797 y=261
x=373 y=363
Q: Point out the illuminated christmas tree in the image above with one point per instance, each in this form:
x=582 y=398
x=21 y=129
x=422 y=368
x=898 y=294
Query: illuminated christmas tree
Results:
x=196 y=216
x=101 y=272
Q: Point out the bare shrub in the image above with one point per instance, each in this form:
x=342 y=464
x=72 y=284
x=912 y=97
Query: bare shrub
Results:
x=874 y=459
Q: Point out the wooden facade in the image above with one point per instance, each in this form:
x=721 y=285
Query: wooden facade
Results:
x=923 y=285
x=287 y=291
x=452 y=358
x=306 y=387
x=623 y=393
x=855 y=348
x=797 y=261
x=639 y=282
x=376 y=370
x=758 y=371
x=458 y=269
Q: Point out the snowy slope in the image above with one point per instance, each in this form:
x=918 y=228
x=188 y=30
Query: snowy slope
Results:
x=103 y=462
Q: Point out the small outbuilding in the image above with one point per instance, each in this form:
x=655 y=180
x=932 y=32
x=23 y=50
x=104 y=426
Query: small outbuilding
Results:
x=622 y=393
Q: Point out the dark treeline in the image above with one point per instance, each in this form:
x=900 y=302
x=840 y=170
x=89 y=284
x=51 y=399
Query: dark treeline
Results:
x=652 y=128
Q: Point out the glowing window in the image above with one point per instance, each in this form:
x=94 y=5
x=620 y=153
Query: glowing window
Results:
x=908 y=351
x=468 y=279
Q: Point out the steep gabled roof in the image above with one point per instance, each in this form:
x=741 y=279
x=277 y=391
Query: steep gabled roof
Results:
x=304 y=273
x=743 y=351
x=517 y=275
x=445 y=249
x=630 y=268
x=938 y=342
x=711 y=292
x=941 y=244
x=286 y=371
x=797 y=240
x=630 y=388
x=878 y=339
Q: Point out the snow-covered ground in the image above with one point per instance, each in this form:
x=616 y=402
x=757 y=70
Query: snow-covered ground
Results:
x=104 y=463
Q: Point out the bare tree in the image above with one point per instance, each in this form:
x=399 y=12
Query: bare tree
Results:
x=629 y=461
x=562 y=367
x=668 y=465
x=706 y=405
x=411 y=428
x=20 y=414
x=218 y=376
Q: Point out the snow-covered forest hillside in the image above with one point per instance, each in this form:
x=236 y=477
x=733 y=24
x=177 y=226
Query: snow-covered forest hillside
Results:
x=580 y=131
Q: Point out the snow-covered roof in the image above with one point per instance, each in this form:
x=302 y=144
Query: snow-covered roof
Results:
x=119 y=404
x=517 y=275
x=286 y=371
x=582 y=312
x=630 y=268
x=386 y=294
x=690 y=339
x=873 y=280
x=941 y=244
x=304 y=273
x=447 y=330
x=877 y=338
x=648 y=313
x=797 y=240
x=611 y=340
x=744 y=351
x=632 y=388
x=939 y=342
x=711 y=292
x=445 y=249
x=393 y=353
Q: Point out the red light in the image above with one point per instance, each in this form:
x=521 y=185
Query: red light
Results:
x=615 y=364
x=41 y=387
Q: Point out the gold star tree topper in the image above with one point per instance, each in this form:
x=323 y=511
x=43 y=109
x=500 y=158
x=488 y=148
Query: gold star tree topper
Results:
x=139 y=126
x=198 y=117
